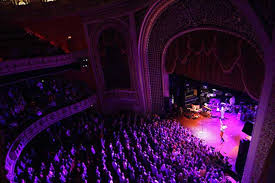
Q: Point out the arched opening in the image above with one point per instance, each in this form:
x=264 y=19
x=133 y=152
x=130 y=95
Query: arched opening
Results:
x=205 y=66
x=113 y=54
x=215 y=57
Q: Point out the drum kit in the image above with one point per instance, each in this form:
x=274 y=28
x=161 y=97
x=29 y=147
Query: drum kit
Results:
x=195 y=110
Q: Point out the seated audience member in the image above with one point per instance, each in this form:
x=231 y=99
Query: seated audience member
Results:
x=156 y=150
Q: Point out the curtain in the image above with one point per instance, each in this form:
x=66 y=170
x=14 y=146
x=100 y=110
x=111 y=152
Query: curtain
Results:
x=217 y=58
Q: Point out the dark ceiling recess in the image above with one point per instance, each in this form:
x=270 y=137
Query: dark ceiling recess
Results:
x=55 y=21
x=57 y=31
x=17 y=42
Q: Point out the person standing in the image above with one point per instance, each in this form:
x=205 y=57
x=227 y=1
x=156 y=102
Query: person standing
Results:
x=222 y=112
x=232 y=101
x=222 y=129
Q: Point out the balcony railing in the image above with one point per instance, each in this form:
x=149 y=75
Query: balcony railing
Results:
x=29 y=64
x=26 y=136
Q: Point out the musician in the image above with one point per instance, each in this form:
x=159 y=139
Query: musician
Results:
x=207 y=110
x=232 y=101
x=180 y=111
x=222 y=112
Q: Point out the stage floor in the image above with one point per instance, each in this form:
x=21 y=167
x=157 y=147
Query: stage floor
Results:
x=208 y=129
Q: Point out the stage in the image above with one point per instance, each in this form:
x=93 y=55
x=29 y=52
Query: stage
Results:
x=208 y=129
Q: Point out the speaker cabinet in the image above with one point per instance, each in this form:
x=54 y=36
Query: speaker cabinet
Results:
x=241 y=158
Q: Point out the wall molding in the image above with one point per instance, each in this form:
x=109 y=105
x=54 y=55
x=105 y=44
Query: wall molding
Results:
x=121 y=94
x=27 y=135
x=113 y=10
x=93 y=32
x=120 y=99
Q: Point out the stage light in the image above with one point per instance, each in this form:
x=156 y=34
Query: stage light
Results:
x=47 y=1
x=22 y=3
x=172 y=100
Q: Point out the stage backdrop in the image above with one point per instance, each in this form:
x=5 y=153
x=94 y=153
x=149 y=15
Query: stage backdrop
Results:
x=218 y=58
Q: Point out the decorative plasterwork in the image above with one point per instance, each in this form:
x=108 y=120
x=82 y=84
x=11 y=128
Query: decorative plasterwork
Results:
x=267 y=136
x=93 y=33
x=167 y=18
x=139 y=17
x=114 y=10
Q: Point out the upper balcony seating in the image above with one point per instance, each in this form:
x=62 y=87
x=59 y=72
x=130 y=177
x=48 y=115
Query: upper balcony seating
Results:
x=25 y=102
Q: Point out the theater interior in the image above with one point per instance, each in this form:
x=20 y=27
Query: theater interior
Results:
x=137 y=91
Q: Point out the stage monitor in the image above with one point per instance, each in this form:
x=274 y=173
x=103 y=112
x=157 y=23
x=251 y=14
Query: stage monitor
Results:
x=248 y=128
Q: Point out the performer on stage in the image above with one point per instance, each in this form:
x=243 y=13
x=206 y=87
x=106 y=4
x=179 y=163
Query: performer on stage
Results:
x=222 y=128
x=232 y=101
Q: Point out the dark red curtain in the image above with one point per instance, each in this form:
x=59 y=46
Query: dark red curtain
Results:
x=217 y=58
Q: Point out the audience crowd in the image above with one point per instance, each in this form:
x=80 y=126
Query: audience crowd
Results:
x=25 y=102
x=90 y=148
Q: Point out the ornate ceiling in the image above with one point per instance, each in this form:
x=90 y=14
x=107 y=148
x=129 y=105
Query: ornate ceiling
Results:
x=22 y=9
x=265 y=10
x=26 y=9
x=56 y=21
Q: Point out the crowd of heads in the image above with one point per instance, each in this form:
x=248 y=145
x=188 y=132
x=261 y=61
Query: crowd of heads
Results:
x=88 y=147
x=25 y=102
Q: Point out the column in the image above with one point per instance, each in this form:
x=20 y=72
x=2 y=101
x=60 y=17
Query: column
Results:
x=139 y=85
x=264 y=128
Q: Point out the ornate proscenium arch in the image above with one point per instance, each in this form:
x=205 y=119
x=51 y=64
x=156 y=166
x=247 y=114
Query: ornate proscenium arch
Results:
x=165 y=19
x=94 y=38
x=226 y=53
x=133 y=98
